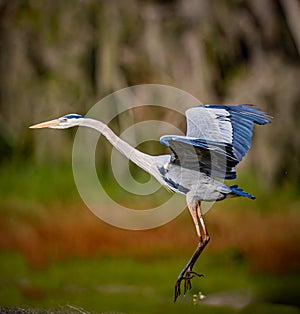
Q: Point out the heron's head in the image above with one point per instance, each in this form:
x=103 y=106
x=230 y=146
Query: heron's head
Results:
x=64 y=122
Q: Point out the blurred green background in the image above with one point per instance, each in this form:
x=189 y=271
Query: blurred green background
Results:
x=59 y=57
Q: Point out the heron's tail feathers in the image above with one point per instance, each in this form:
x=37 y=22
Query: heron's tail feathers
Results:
x=235 y=191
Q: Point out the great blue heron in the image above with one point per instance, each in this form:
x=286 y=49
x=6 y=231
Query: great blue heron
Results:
x=217 y=138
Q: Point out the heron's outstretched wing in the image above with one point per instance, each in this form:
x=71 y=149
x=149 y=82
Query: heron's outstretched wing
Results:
x=212 y=158
x=217 y=138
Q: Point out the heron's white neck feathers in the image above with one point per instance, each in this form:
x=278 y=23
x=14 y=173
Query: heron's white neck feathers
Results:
x=148 y=163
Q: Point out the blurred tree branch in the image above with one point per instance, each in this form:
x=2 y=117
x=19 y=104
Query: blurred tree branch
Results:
x=292 y=12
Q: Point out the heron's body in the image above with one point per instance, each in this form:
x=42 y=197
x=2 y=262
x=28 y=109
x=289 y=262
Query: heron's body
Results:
x=170 y=174
x=217 y=139
x=207 y=188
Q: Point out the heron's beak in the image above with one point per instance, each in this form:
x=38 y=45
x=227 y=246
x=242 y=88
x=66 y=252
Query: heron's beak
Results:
x=47 y=124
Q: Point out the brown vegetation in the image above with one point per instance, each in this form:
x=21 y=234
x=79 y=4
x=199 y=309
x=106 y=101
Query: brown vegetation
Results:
x=268 y=242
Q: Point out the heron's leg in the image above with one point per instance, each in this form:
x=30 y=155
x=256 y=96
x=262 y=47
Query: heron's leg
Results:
x=187 y=273
x=203 y=239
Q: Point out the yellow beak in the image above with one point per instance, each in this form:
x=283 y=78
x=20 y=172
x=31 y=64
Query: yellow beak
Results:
x=47 y=124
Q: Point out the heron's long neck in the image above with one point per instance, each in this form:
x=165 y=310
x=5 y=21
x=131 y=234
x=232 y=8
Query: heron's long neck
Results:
x=142 y=160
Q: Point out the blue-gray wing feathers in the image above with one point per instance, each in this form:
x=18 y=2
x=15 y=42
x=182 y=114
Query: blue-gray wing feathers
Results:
x=217 y=138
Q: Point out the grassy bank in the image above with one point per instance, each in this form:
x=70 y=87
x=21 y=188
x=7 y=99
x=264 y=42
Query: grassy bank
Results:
x=56 y=255
x=122 y=285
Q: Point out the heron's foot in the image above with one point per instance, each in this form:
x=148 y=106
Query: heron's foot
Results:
x=186 y=278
